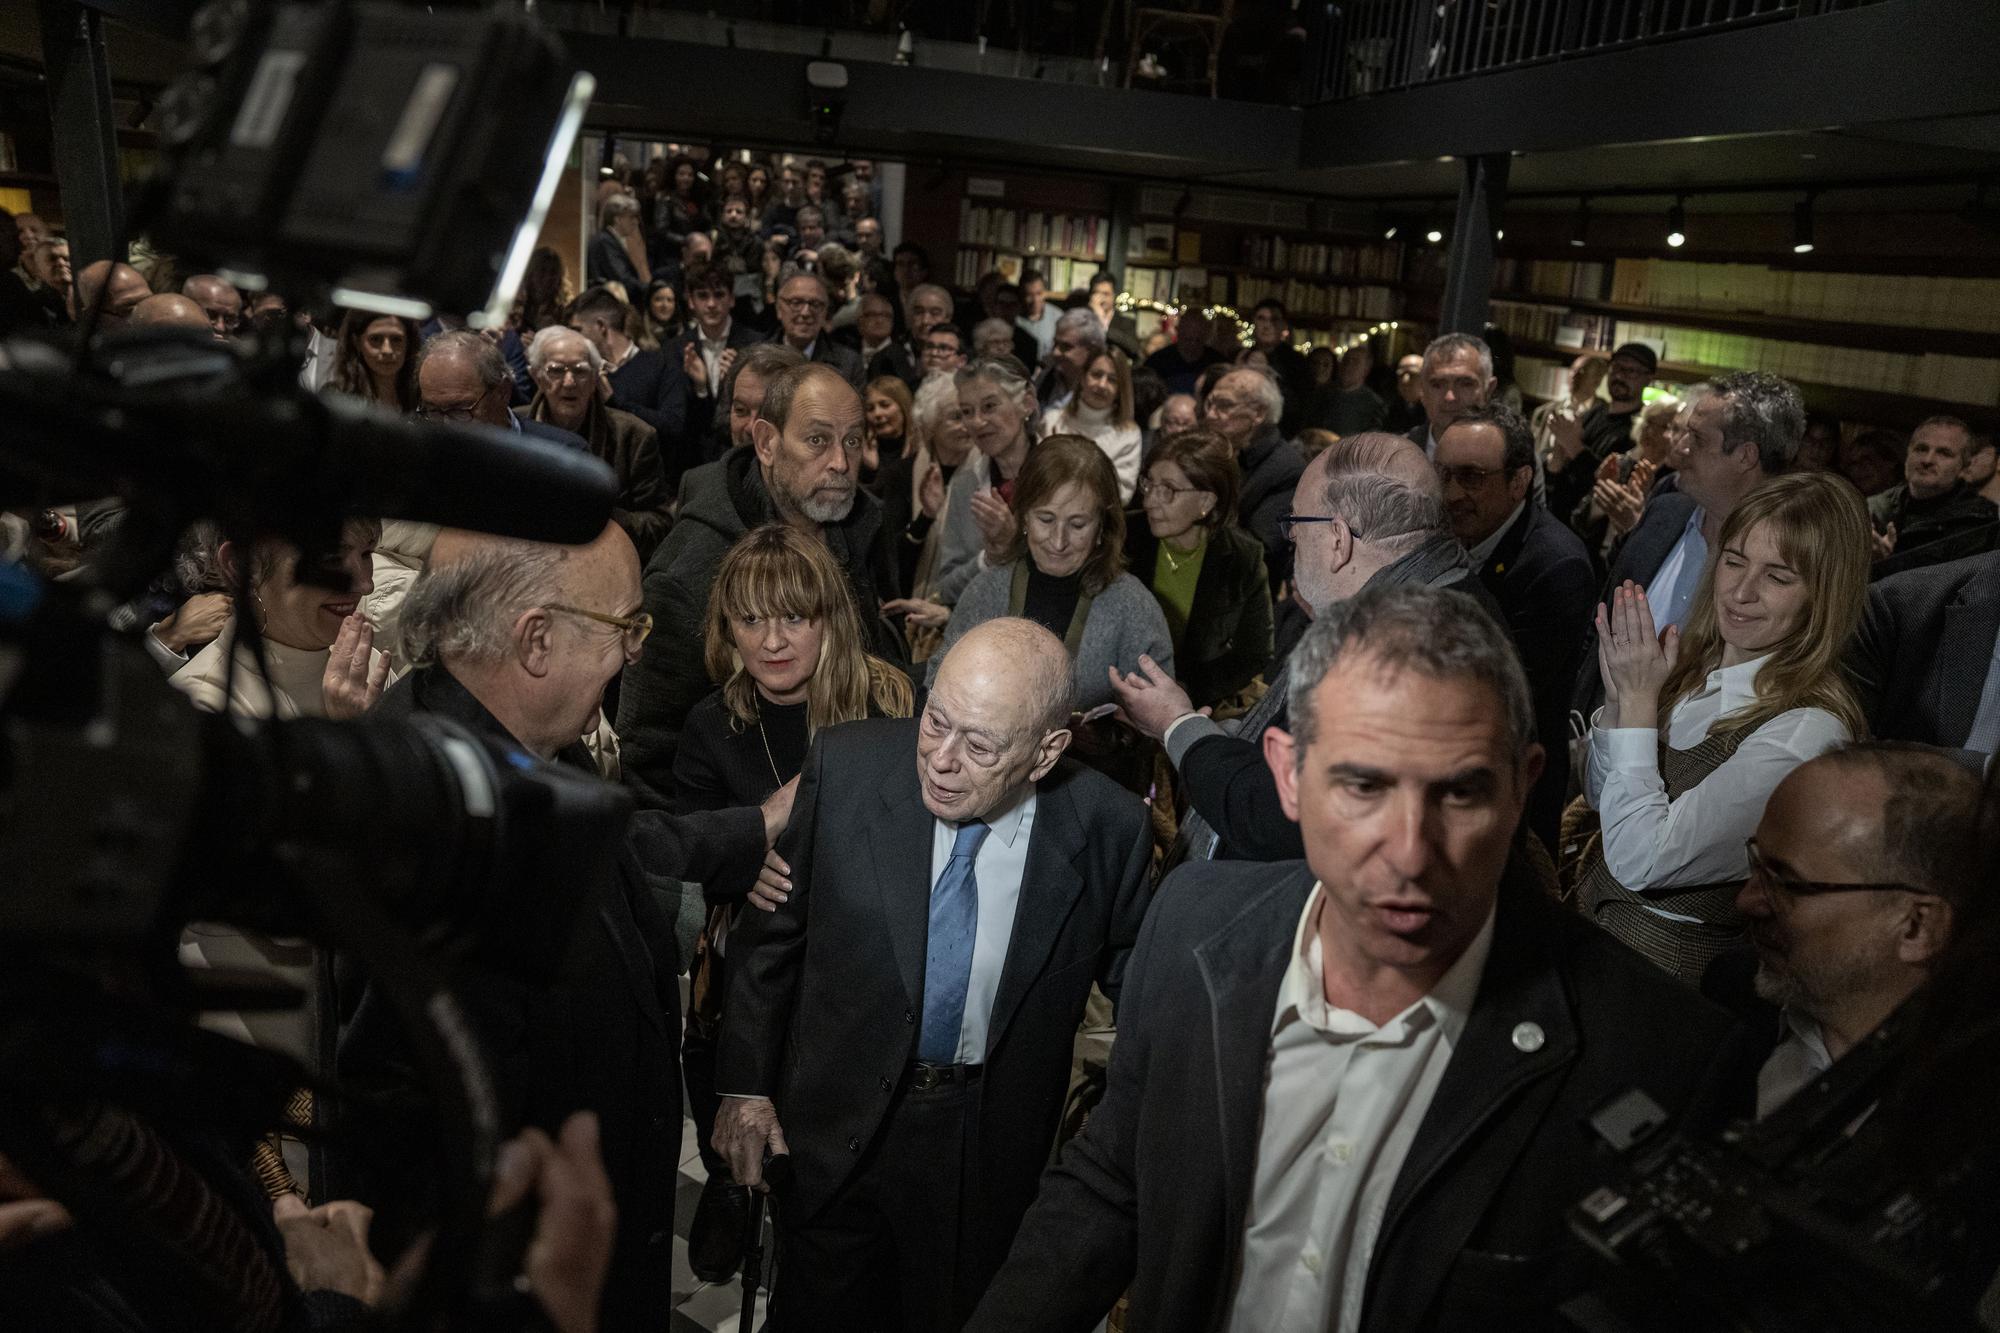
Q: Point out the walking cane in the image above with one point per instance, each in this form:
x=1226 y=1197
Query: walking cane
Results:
x=777 y=1179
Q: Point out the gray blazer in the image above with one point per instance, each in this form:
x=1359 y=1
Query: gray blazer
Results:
x=1124 y=621
x=959 y=542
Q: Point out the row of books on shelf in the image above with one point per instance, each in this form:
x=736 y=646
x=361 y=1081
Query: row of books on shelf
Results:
x=1560 y=279
x=1020 y=229
x=1306 y=299
x=1950 y=379
x=1554 y=324
x=1062 y=275
x=1381 y=261
x=1967 y=304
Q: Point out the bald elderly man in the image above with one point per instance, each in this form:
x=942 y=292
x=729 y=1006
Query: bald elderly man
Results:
x=167 y=310
x=901 y=1021
x=516 y=641
x=127 y=288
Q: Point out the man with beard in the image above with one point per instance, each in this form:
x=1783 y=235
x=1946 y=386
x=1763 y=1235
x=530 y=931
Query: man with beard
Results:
x=802 y=468
x=1859 y=863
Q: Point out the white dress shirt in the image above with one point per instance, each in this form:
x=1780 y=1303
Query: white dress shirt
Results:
x=1002 y=860
x=1796 y=1061
x=711 y=355
x=1342 y=1103
x=1651 y=842
x=1484 y=551
x=1672 y=589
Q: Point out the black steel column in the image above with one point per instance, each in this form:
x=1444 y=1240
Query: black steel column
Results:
x=85 y=139
x=1468 y=282
x=1124 y=207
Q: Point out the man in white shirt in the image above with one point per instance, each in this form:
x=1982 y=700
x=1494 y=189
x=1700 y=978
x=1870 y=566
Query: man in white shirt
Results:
x=1038 y=314
x=1348 y=1093
x=901 y=1016
x=1858 y=862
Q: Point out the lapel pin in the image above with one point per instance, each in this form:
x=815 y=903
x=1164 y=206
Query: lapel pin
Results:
x=1528 y=1037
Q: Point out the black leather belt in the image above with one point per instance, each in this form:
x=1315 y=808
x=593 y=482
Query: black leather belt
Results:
x=923 y=1077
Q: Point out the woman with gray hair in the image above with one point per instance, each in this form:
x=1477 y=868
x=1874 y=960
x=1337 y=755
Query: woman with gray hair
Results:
x=913 y=494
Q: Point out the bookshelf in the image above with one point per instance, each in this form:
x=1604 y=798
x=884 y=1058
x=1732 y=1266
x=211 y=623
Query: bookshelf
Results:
x=1066 y=247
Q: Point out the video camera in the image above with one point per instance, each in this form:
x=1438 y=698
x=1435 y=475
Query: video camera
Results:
x=379 y=157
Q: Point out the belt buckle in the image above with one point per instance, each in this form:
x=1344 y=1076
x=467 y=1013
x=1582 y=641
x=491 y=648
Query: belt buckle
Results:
x=925 y=1077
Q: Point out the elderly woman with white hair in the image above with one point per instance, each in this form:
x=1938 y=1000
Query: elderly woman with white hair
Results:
x=1244 y=408
x=914 y=493
x=568 y=371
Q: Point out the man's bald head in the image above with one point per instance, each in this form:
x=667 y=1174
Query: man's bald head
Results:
x=996 y=720
x=124 y=287
x=1388 y=501
x=219 y=300
x=170 y=310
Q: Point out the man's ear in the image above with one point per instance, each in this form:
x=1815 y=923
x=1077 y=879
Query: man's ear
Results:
x=1517 y=486
x=1492 y=387
x=764 y=439
x=1533 y=760
x=1047 y=752
x=533 y=641
x=1341 y=546
x=1926 y=929
x=1281 y=755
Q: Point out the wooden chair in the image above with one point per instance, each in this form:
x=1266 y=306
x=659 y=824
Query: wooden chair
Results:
x=1197 y=22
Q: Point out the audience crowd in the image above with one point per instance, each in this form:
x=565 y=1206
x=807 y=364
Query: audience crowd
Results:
x=1412 y=774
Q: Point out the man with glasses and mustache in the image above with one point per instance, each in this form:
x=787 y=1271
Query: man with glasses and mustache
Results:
x=1860 y=861
x=803 y=468
x=568 y=372
x=803 y=303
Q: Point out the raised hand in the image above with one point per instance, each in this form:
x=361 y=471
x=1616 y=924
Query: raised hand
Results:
x=1635 y=659
x=930 y=492
x=1884 y=542
x=355 y=673
x=995 y=521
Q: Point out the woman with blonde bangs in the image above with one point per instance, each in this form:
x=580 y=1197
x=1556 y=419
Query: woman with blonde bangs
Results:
x=1101 y=411
x=1697 y=729
x=785 y=642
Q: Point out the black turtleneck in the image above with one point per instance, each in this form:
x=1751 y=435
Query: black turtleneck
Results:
x=1051 y=601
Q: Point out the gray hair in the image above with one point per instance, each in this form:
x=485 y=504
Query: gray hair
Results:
x=1451 y=344
x=617 y=206
x=1378 y=507
x=482 y=351
x=935 y=396
x=1269 y=395
x=466 y=610
x=541 y=348
x=1762 y=410
x=1439 y=633
x=998 y=328
x=1081 y=324
x=793 y=273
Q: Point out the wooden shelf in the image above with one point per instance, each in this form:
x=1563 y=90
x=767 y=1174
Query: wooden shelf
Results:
x=1848 y=403
x=1787 y=328
x=1820 y=261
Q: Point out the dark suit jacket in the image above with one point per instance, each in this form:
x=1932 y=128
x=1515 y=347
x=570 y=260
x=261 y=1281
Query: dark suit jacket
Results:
x=845 y=360
x=653 y=389
x=1227 y=643
x=602 y=1034
x=1156 y=1191
x=1540 y=573
x=1271 y=465
x=825 y=993
x=1228 y=782
x=897 y=359
x=1638 y=558
x=644 y=504
x=1924 y=647
x=696 y=444
x=542 y=430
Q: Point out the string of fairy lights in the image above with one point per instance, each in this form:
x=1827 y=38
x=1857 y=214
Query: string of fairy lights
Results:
x=1128 y=303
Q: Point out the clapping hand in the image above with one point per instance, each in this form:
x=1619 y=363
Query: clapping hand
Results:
x=694 y=367
x=995 y=521
x=355 y=674
x=1884 y=542
x=1633 y=658
x=1567 y=433
x=922 y=613
x=930 y=492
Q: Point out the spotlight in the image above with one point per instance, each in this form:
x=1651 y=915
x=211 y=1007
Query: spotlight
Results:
x=1390 y=233
x=1802 y=227
x=1677 y=224
x=1434 y=235
x=1581 y=235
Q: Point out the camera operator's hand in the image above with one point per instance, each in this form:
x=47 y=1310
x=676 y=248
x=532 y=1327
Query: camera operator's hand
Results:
x=326 y=1248
x=744 y=1128
x=355 y=673
x=197 y=620
x=26 y=1213
x=778 y=810
x=576 y=1221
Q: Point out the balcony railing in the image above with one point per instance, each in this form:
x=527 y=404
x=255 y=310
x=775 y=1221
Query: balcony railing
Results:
x=1375 y=46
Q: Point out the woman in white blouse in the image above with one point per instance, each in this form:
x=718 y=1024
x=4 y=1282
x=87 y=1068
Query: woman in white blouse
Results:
x=1101 y=411
x=1697 y=729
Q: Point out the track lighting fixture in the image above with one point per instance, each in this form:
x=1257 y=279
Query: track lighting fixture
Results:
x=1580 y=235
x=1677 y=223
x=1802 y=227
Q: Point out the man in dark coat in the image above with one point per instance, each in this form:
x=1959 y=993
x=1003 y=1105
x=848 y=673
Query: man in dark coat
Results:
x=1351 y=1092
x=1932 y=504
x=568 y=372
x=1535 y=567
x=516 y=641
x=1925 y=659
x=643 y=382
x=801 y=469
x=1244 y=409
x=804 y=301
x=902 y=1023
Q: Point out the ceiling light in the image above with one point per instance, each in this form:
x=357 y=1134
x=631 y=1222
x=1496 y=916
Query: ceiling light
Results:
x=1581 y=235
x=1677 y=223
x=1389 y=233
x=1435 y=234
x=1802 y=227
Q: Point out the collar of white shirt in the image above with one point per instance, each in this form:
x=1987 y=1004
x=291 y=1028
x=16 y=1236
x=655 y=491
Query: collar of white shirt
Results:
x=721 y=340
x=1737 y=685
x=1005 y=825
x=1798 y=1059
x=1302 y=996
x=1484 y=551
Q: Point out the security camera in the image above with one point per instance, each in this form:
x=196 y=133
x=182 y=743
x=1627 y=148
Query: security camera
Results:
x=826 y=98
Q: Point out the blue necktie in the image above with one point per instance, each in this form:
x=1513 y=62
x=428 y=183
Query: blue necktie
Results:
x=948 y=952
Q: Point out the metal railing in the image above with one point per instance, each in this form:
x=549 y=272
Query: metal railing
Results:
x=1375 y=46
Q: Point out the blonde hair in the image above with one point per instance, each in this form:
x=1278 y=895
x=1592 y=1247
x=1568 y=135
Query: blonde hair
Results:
x=1821 y=529
x=776 y=570
x=1121 y=371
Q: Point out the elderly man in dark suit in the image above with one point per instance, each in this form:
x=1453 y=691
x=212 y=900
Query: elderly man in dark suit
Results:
x=803 y=302
x=1536 y=568
x=907 y=1013
x=1926 y=659
x=1349 y=1093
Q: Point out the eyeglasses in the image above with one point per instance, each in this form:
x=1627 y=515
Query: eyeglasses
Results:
x=1223 y=407
x=636 y=627
x=801 y=304
x=1762 y=869
x=583 y=370
x=942 y=349
x=1288 y=526
x=1147 y=486
x=465 y=412
x=1466 y=478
